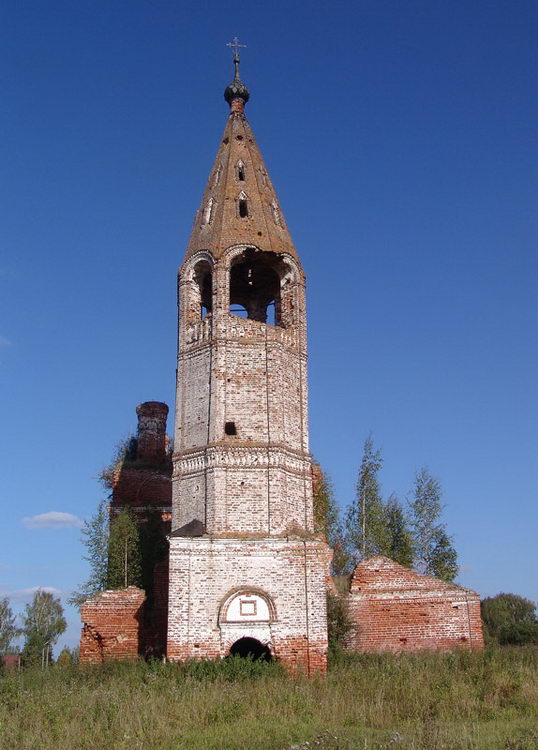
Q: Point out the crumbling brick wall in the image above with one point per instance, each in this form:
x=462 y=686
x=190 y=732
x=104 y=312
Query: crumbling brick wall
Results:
x=395 y=609
x=142 y=481
x=112 y=626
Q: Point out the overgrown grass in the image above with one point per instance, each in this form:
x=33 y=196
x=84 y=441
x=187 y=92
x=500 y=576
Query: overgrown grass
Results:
x=367 y=702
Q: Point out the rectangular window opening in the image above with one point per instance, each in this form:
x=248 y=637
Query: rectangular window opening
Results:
x=230 y=429
x=243 y=209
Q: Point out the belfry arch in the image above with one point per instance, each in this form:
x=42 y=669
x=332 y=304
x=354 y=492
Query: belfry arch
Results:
x=200 y=291
x=261 y=286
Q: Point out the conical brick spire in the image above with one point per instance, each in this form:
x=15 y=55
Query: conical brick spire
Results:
x=240 y=204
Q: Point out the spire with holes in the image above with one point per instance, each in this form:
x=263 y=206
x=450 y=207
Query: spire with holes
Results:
x=240 y=203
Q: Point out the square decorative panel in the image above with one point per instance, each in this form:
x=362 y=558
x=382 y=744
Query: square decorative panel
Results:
x=247 y=607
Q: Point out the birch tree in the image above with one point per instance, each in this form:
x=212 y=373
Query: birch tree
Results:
x=434 y=551
x=124 y=558
x=8 y=629
x=43 y=623
x=366 y=521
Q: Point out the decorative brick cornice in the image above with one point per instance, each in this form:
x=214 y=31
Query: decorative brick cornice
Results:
x=227 y=456
x=243 y=543
x=241 y=331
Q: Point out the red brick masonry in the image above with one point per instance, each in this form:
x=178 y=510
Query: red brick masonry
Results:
x=112 y=626
x=395 y=609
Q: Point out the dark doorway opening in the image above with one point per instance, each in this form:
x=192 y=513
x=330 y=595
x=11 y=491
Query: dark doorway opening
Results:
x=251 y=648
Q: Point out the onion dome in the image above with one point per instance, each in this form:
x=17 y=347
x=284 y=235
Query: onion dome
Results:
x=236 y=90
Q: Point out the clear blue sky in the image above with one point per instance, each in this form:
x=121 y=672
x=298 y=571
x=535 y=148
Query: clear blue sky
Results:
x=401 y=137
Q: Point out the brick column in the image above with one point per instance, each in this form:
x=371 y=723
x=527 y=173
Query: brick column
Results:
x=151 y=431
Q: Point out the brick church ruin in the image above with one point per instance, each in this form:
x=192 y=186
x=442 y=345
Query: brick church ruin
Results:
x=245 y=571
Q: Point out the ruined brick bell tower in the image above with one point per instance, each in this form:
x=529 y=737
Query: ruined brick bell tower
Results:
x=247 y=573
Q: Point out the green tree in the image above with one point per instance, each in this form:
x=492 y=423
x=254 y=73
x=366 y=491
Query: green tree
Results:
x=43 y=623
x=366 y=519
x=339 y=623
x=95 y=539
x=400 y=540
x=519 y=635
x=327 y=522
x=124 y=453
x=443 y=560
x=124 y=557
x=434 y=551
x=325 y=510
x=8 y=629
x=67 y=656
x=506 y=616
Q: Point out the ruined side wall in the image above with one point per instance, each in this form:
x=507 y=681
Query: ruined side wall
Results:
x=412 y=623
x=112 y=626
x=394 y=609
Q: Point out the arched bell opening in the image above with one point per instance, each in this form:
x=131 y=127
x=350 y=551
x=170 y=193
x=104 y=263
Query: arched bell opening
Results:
x=251 y=648
x=256 y=280
x=200 y=302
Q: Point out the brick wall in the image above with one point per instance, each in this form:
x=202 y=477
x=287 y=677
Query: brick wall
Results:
x=287 y=573
x=112 y=626
x=142 y=489
x=396 y=609
x=152 y=443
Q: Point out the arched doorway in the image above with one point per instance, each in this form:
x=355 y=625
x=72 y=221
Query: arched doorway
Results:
x=251 y=648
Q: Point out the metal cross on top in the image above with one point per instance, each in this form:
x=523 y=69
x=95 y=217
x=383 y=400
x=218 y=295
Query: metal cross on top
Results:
x=234 y=44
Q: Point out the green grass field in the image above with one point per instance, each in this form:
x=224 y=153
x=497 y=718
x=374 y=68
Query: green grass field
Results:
x=428 y=701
